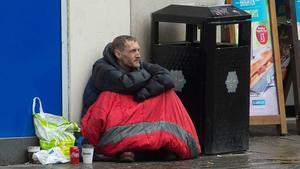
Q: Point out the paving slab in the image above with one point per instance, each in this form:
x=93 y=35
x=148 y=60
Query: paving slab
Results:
x=266 y=150
x=282 y=152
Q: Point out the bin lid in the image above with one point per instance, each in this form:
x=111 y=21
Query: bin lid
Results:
x=199 y=14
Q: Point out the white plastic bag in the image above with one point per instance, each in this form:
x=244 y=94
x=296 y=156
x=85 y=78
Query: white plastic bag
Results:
x=51 y=156
x=53 y=130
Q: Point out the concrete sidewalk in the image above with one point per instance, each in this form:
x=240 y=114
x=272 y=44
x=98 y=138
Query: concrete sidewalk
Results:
x=266 y=150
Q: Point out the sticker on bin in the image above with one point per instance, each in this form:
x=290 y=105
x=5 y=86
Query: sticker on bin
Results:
x=178 y=78
x=231 y=82
x=261 y=102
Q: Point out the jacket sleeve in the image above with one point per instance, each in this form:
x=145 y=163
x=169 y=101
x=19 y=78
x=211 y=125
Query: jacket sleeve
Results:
x=107 y=77
x=160 y=81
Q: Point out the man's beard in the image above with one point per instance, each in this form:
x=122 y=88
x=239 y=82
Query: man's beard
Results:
x=130 y=67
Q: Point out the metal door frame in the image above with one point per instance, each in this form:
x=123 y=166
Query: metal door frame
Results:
x=64 y=59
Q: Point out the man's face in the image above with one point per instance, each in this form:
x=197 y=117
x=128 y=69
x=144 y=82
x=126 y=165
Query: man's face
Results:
x=130 y=56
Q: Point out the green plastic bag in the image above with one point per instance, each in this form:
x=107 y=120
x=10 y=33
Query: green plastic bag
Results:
x=53 y=130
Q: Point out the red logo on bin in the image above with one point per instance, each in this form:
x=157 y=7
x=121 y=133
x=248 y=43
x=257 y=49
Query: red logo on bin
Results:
x=262 y=34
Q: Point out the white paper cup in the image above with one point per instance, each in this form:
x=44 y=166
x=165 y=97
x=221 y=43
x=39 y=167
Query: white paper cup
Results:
x=31 y=150
x=87 y=155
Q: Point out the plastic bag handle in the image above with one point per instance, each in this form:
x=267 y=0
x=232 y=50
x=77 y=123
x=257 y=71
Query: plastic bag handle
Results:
x=34 y=103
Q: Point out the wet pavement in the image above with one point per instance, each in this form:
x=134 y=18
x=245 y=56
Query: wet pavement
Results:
x=266 y=150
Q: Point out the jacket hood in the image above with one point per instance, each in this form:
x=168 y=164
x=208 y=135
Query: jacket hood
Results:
x=109 y=56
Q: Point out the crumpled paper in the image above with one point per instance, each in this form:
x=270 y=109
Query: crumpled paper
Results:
x=51 y=156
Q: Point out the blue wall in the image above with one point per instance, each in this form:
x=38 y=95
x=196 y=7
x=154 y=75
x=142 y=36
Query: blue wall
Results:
x=30 y=63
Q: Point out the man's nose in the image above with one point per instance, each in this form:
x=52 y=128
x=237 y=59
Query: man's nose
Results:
x=138 y=55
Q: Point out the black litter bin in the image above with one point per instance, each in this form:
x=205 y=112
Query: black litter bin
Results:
x=211 y=78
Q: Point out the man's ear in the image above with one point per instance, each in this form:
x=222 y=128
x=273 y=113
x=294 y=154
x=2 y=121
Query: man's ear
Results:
x=117 y=53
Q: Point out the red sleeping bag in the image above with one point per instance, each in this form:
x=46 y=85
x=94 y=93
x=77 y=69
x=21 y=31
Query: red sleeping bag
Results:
x=115 y=123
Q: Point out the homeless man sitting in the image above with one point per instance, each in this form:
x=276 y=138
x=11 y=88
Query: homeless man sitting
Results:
x=130 y=107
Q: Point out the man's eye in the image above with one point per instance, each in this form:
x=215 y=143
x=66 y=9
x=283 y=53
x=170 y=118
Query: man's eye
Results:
x=135 y=50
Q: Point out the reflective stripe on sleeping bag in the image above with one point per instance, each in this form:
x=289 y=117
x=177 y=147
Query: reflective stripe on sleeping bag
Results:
x=118 y=133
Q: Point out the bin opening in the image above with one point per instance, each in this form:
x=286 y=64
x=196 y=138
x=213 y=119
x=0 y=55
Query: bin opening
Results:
x=227 y=35
x=179 y=34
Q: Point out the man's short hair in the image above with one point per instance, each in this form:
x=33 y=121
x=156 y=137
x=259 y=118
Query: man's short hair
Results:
x=119 y=42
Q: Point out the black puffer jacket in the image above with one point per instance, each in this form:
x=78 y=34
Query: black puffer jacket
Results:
x=148 y=81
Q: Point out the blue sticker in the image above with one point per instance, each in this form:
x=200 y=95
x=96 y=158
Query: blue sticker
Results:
x=261 y=102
